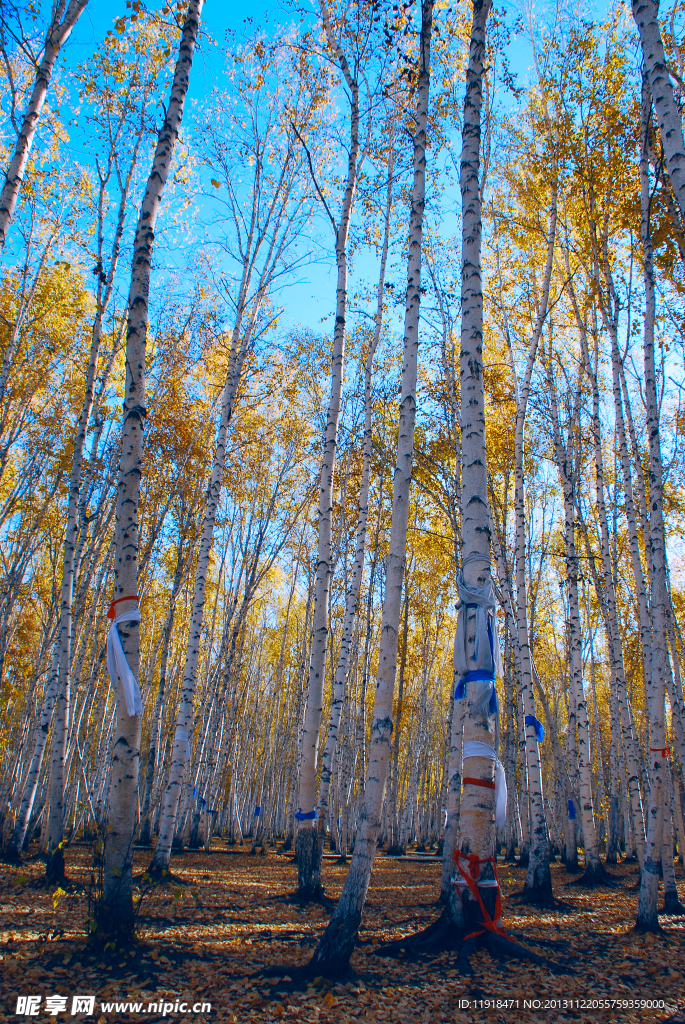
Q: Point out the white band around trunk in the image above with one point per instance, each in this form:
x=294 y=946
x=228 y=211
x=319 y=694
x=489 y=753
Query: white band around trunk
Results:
x=117 y=666
x=473 y=748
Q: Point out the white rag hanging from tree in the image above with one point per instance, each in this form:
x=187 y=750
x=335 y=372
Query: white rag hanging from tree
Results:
x=486 y=661
x=117 y=666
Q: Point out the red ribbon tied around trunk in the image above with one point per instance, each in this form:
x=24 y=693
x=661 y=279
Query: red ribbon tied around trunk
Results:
x=111 y=614
x=470 y=879
x=664 y=751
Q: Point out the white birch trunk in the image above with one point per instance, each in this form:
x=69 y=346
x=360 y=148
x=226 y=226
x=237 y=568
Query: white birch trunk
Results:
x=565 y=450
x=538 y=884
x=646 y=14
x=116 y=912
x=477 y=831
x=606 y=594
x=61 y=24
x=337 y=943
x=186 y=713
x=306 y=845
x=16 y=842
x=352 y=596
x=647 y=914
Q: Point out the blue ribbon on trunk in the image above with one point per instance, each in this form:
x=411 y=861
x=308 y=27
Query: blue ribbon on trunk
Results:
x=537 y=725
x=478 y=676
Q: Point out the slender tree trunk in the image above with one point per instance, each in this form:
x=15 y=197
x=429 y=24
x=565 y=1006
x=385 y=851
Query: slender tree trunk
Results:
x=606 y=594
x=16 y=842
x=647 y=913
x=60 y=28
x=337 y=943
x=352 y=596
x=566 y=456
x=477 y=831
x=394 y=845
x=116 y=912
x=538 y=884
x=306 y=843
x=646 y=14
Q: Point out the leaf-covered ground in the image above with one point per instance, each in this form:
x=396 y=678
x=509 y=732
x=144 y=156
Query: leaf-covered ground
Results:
x=210 y=938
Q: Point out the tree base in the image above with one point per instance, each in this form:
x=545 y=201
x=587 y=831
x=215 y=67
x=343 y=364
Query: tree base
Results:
x=593 y=877
x=54 y=869
x=443 y=937
x=11 y=855
x=311 y=894
x=111 y=929
x=541 y=898
x=672 y=905
x=648 y=928
x=160 y=876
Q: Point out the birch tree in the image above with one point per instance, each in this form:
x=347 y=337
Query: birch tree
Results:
x=62 y=20
x=277 y=210
x=306 y=843
x=337 y=943
x=115 y=915
x=656 y=683
x=354 y=588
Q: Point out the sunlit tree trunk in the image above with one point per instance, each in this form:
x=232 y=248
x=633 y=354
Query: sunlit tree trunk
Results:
x=306 y=844
x=337 y=943
x=646 y=14
x=353 y=590
x=153 y=762
x=647 y=914
x=62 y=21
x=116 y=912
x=566 y=450
x=538 y=885
x=477 y=831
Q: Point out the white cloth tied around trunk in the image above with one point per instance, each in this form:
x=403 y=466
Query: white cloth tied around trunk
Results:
x=473 y=748
x=181 y=737
x=486 y=654
x=117 y=666
x=485 y=664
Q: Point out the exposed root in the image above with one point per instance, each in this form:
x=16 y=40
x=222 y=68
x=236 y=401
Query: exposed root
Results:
x=160 y=876
x=438 y=937
x=535 y=898
x=442 y=936
x=315 y=894
x=672 y=905
x=463 y=964
x=503 y=947
x=593 y=879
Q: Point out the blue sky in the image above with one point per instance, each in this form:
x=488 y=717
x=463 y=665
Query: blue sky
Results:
x=309 y=301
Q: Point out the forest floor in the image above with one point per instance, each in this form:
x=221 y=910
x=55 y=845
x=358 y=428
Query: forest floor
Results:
x=208 y=939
